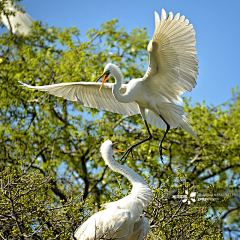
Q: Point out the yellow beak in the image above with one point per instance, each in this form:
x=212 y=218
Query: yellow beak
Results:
x=116 y=150
x=105 y=75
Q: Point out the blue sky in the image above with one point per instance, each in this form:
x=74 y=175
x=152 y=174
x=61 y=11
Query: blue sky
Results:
x=217 y=26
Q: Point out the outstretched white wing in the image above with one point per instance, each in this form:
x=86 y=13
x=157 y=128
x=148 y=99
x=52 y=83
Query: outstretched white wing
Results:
x=88 y=94
x=21 y=22
x=106 y=224
x=173 y=65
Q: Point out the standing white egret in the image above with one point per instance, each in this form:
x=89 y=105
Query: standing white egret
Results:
x=172 y=70
x=21 y=22
x=121 y=219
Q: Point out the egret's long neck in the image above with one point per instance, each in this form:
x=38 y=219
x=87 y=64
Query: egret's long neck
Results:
x=132 y=176
x=140 y=188
x=124 y=98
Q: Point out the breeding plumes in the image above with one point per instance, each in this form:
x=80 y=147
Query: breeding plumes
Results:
x=21 y=22
x=172 y=71
x=122 y=219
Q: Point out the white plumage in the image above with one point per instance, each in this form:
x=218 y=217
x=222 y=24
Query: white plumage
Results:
x=172 y=70
x=21 y=22
x=121 y=219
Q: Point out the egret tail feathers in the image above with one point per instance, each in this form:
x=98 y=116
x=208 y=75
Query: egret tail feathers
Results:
x=156 y=121
x=171 y=112
x=185 y=124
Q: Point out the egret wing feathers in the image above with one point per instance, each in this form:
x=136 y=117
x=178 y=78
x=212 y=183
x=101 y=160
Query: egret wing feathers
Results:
x=145 y=228
x=141 y=229
x=173 y=65
x=88 y=94
x=21 y=22
x=107 y=222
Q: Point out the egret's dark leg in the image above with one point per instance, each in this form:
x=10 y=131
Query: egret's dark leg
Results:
x=133 y=146
x=160 y=145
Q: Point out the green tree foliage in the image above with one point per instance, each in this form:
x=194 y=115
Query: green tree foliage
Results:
x=54 y=136
x=184 y=218
x=27 y=210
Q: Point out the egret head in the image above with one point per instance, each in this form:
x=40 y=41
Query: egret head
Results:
x=109 y=148
x=107 y=73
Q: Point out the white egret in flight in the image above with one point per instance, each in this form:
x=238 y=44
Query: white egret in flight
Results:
x=122 y=219
x=172 y=70
x=21 y=22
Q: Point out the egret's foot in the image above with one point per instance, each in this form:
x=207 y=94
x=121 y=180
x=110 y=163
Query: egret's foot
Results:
x=125 y=155
x=160 y=151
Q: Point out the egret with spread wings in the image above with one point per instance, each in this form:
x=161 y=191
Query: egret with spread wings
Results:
x=172 y=70
x=122 y=219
